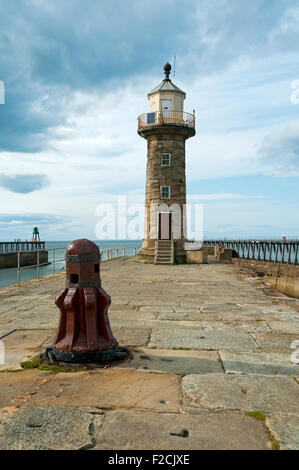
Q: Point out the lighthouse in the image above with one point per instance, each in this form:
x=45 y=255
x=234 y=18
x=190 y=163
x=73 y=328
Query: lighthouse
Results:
x=166 y=127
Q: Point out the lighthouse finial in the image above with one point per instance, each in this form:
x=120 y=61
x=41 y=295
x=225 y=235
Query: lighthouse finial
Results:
x=167 y=69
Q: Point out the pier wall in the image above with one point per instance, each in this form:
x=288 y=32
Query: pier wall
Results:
x=283 y=277
x=10 y=260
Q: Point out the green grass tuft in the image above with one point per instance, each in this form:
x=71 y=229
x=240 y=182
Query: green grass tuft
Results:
x=275 y=442
x=259 y=415
x=55 y=369
x=33 y=364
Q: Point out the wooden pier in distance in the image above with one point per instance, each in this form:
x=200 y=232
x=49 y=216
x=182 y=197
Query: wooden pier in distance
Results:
x=22 y=253
x=285 y=252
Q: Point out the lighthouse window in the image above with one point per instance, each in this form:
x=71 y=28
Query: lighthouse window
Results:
x=165 y=192
x=165 y=161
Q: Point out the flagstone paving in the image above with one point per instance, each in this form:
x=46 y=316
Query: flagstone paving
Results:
x=209 y=344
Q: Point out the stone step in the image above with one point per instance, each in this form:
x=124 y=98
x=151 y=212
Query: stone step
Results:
x=164 y=255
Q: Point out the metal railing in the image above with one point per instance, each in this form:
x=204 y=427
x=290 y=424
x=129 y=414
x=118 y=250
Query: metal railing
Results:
x=57 y=263
x=178 y=118
x=23 y=246
x=285 y=252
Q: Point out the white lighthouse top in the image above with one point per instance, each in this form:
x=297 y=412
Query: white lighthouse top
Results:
x=166 y=96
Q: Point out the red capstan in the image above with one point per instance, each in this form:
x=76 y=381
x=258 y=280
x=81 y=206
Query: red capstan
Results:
x=84 y=325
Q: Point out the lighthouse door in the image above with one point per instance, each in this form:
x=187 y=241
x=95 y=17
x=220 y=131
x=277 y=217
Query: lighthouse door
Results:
x=166 y=108
x=164 y=225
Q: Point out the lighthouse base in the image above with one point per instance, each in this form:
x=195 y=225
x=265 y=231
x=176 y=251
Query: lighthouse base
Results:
x=148 y=248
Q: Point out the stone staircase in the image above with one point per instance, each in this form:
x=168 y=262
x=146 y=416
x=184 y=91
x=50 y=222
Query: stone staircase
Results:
x=164 y=252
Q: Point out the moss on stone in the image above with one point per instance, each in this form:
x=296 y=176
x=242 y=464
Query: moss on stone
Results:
x=55 y=369
x=275 y=444
x=259 y=415
x=33 y=364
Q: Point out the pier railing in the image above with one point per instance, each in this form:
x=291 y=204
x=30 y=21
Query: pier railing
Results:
x=272 y=251
x=22 y=246
x=56 y=263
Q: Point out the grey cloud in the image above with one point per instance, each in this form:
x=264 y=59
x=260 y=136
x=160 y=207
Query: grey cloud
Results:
x=225 y=31
x=49 y=49
x=280 y=149
x=23 y=184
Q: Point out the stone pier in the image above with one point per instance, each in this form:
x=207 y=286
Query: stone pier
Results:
x=210 y=364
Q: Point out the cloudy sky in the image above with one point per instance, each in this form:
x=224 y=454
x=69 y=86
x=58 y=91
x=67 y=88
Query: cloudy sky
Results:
x=77 y=74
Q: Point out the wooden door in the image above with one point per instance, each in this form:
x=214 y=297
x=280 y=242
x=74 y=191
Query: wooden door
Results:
x=164 y=225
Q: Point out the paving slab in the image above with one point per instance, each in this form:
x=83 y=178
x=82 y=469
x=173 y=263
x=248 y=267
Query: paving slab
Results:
x=177 y=316
x=240 y=392
x=49 y=428
x=258 y=363
x=28 y=339
x=252 y=315
x=287 y=327
x=241 y=325
x=124 y=316
x=184 y=323
x=285 y=428
x=131 y=336
x=22 y=345
x=6 y=330
x=111 y=389
x=126 y=430
x=18 y=387
x=205 y=339
x=275 y=342
x=175 y=362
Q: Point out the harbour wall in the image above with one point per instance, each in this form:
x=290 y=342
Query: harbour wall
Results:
x=27 y=258
x=283 y=277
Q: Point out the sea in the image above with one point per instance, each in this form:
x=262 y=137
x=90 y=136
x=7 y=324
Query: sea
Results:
x=56 y=251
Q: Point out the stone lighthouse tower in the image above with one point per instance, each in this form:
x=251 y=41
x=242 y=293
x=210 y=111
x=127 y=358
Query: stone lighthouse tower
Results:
x=166 y=128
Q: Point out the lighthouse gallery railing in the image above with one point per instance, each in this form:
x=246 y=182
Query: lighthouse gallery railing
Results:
x=178 y=118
